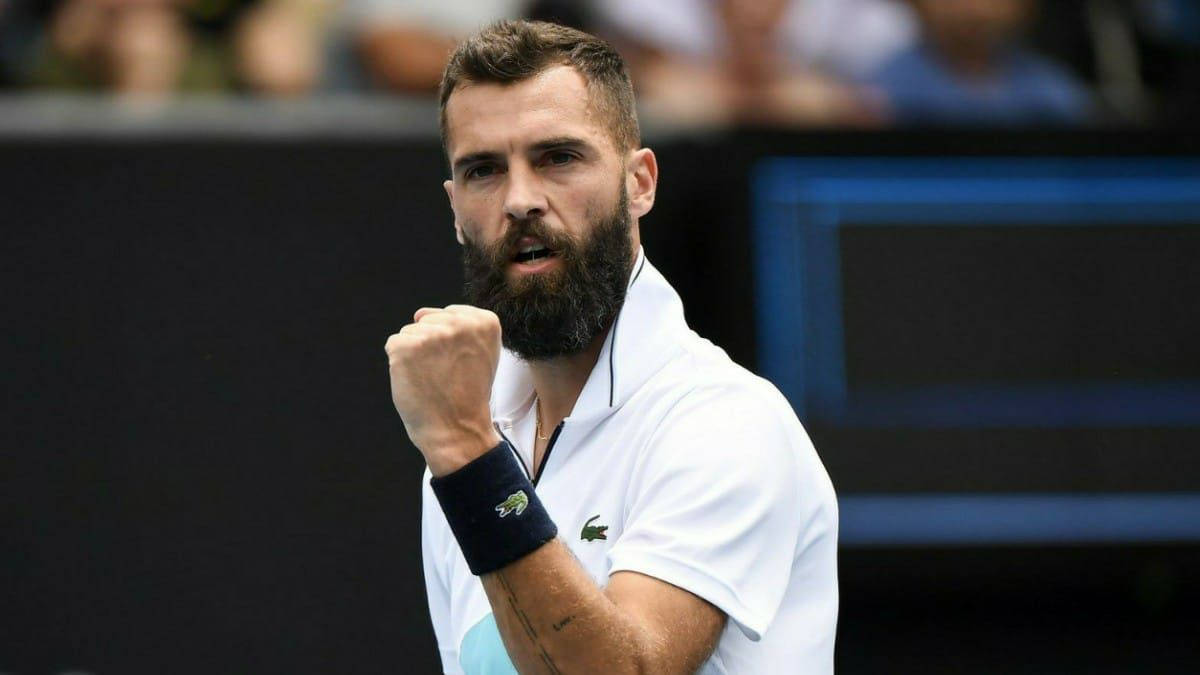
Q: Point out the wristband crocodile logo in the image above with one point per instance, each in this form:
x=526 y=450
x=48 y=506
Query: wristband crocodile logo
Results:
x=593 y=532
x=516 y=502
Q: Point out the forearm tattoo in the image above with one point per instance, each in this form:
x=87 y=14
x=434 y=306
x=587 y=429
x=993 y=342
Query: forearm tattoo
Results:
x=527 y=625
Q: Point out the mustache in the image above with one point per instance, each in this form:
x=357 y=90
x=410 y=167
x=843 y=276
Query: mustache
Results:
x=504 y=249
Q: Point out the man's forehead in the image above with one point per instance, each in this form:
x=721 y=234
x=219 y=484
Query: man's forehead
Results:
x=494 y=117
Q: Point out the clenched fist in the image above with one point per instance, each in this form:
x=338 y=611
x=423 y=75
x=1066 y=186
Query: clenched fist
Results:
x=442 y=366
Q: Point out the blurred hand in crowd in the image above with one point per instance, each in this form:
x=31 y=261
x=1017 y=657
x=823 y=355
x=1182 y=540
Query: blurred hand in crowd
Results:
x=404 y=44
x=767 y=87
x=278 y=46
x=148 y=47
x=406 y=57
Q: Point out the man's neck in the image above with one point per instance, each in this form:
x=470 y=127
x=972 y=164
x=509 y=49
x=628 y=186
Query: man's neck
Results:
x=559 y=381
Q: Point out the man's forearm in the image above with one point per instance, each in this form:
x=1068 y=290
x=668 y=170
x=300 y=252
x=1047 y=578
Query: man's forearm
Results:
x=555 y=619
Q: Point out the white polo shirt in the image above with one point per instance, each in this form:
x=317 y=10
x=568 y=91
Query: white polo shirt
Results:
x=701 y=474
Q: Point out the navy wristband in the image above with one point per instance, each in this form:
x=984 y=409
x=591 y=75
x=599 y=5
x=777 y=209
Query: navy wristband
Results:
x=493 y=511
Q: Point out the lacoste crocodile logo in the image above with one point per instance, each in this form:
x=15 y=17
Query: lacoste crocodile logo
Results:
x=593 y=532
x=515 y=503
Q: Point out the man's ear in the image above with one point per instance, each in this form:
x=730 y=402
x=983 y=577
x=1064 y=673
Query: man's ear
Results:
x=641 y=181
x=449 y=185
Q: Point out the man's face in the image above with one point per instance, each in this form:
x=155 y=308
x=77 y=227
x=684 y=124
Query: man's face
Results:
x=542 y=204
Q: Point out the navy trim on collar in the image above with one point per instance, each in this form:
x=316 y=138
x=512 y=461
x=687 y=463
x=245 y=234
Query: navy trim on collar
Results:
x=612 y=347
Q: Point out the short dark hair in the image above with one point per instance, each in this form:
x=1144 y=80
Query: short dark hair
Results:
x=512 y=51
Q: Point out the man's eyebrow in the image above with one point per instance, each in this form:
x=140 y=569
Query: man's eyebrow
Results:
x=474 y=157
x=555 y=143
x=561 y=142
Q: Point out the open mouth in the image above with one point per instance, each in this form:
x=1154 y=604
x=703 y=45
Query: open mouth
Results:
x=531 y=253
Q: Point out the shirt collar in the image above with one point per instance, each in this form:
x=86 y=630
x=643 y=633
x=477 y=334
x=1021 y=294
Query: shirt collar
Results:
x=643 y=338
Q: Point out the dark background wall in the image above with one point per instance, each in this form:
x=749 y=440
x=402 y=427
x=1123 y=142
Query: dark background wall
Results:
x=201 y=469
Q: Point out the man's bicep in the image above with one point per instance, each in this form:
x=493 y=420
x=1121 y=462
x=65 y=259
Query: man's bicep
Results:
x=685 y=625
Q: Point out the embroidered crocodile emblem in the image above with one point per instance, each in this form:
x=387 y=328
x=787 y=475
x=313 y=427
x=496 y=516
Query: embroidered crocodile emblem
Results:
x=593 y=532
x=515 y=503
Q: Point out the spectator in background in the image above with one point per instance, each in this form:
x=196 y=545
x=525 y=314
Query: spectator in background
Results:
x=970 y=68
x=138 y=48
x=404 y=44
x=155 y=48
x=758 y=61
x=279 y=46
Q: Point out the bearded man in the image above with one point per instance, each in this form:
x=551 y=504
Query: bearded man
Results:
x=606 y=491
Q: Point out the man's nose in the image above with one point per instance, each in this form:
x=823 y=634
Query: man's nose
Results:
x=525 y=197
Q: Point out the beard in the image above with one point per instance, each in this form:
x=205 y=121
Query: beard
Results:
x=558 y=312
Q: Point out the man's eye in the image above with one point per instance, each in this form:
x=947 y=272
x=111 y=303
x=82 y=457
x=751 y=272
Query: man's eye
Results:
x=481 y=171
x=560 y=158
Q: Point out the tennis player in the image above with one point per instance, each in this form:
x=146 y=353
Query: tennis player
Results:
x=606 y=491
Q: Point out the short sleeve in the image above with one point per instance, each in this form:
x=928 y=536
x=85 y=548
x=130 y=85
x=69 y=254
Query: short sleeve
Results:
x=437 y=588
x=714 y=507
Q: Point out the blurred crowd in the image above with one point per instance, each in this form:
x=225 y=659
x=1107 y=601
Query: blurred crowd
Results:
x=861 y=63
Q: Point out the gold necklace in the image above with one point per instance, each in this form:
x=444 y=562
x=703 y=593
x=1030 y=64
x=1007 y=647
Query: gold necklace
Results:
x=537 y=414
